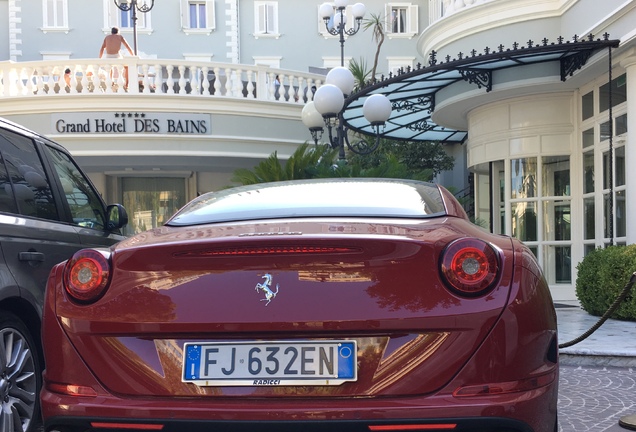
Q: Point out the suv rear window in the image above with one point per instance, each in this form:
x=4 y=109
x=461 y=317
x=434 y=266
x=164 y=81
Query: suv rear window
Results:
x=23 y=179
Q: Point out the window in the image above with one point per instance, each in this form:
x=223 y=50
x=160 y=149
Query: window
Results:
x=197 y=16
x=604 y=165
x=85 y=205
x=523 y=175
x=29 y=186
x=266 y=19
x=540 y=212
x=587 y=105
x=523 y=178
x=621 y=125
x=556 y=202
x=398 y=20
x=401 y=20
x=55 y=15
x=618 y=90
x=123 y=19
x=7 y=203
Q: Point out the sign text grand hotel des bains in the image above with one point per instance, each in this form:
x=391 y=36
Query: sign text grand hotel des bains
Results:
x=132 y=123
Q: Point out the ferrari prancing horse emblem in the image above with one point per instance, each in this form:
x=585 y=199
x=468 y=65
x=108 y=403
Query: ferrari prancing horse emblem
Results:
x=266 y=288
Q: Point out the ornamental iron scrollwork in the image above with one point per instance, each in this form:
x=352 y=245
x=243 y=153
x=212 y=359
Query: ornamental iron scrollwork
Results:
x=421 y=126
x=422 y=103
x=572 y=63
x=363 y=147
x=480 y=77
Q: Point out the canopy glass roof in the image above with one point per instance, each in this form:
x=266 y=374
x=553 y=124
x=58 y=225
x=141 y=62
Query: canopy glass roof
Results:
x=413 y=92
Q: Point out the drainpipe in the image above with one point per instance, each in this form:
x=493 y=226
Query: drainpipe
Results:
x=611 y=155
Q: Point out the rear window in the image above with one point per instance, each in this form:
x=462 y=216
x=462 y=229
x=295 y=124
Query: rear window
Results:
x=315 y=198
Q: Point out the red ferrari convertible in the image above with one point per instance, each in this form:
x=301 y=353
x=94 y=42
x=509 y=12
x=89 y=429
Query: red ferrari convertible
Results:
x=339 y=304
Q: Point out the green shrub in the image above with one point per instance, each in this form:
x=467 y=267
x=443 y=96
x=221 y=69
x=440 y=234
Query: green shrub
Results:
x=602 y=275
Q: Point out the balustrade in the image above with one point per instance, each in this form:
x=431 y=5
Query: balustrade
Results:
x=159 y=77
x=442 y=8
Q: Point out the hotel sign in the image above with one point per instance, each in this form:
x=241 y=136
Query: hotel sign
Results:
x=131 y=122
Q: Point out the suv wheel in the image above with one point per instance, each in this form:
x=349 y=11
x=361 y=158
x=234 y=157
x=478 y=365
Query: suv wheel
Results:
x=20 y=380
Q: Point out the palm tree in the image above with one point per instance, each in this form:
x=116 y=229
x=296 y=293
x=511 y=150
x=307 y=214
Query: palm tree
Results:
x=360 y=73
x=303 y=164
x=377 y=25
x=310 y=161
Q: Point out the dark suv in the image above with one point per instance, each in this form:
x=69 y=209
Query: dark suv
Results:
x=48 y=210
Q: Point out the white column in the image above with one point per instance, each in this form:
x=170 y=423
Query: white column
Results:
x=630 y=146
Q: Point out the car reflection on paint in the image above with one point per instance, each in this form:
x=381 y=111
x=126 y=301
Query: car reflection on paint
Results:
x=306 y=305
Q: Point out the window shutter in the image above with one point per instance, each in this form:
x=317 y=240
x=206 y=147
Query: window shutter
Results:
x=185 y=10
x=321 y=22
x=272 y=18
x=388 y=22
x=261 y=15
x=113 y=15
x=412 y=20
x=351 y=21
x=46 y=13
x=210 y=14
x=63 y=12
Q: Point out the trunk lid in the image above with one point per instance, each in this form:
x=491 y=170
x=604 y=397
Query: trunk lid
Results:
x=375 y=283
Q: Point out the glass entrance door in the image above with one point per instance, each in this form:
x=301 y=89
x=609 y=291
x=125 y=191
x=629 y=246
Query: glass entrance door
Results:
x=151 y=201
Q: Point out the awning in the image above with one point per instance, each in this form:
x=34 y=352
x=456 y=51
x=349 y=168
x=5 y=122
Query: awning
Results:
x=413 y=92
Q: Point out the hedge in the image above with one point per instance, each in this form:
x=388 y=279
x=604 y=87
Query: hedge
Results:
x=602 y=275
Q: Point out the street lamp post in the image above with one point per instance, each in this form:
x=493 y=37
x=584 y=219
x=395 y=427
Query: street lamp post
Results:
x=133 y=6
x=339 y=20
x=329 y=99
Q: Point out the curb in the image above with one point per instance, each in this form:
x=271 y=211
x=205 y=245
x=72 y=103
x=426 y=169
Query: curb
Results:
x=580 y=359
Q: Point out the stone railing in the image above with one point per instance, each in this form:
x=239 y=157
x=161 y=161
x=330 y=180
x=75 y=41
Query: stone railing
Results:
x=442 y=8
x=132 y=75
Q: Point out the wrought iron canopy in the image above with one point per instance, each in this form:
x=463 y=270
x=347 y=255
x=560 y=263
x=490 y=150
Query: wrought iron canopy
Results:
x=412 y=92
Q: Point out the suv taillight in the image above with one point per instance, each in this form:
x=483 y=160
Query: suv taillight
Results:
x=470 y=266
x=87 y=275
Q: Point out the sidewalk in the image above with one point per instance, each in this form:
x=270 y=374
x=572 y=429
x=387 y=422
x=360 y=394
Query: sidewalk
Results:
x=613 y=344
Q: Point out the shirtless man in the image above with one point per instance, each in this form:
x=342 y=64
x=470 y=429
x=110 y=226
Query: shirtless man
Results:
x=112 y=45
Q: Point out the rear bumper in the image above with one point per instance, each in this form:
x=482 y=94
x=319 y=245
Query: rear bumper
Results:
x=531 y=411
x=457 y=424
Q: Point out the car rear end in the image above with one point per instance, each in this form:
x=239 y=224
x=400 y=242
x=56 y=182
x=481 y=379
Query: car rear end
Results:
x=302 y=324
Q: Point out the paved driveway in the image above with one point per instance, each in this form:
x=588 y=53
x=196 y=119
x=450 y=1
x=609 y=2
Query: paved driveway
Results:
x=593 y=398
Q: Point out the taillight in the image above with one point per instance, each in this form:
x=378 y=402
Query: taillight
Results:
x=86 y=275
x=470 y=266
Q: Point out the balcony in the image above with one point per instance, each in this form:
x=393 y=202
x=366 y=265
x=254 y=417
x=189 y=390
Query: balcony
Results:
x=249 y=111
x=47 y=79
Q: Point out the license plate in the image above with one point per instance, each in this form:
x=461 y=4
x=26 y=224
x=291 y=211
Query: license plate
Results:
x=275 y=363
